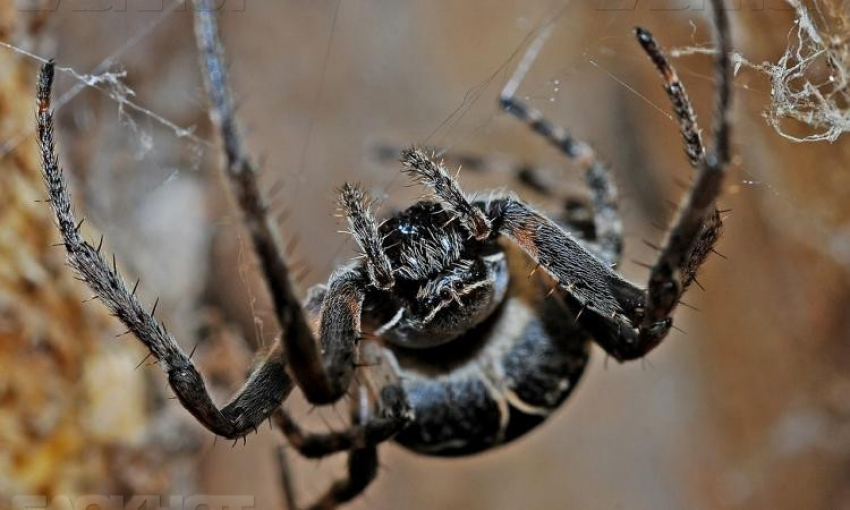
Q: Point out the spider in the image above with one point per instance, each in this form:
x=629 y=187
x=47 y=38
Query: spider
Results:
x=458 y=343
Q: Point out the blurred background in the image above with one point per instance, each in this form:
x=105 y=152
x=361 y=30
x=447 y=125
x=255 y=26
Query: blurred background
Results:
x=749 y=409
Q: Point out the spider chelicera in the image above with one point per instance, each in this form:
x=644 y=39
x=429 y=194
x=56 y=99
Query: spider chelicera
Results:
x=456 y=347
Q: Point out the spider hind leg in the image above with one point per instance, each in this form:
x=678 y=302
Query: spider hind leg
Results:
x=362 y=462
x=370 y=427
x=607 y=226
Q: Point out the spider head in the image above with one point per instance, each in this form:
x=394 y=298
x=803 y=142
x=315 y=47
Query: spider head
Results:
x=458 y=298
x=436 y=310
x=446 y=281
x=451 y=287
x=435 y=268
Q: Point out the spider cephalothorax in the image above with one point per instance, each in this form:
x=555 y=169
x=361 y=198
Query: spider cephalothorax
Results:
x=430 y=278
x=446 y=281
x=467 y=321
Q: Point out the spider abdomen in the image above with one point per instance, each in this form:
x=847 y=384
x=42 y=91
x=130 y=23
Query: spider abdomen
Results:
x=499 y=380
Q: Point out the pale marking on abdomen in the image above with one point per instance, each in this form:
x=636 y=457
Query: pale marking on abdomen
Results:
x=518 y=403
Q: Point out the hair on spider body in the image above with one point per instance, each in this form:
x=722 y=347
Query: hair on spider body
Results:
x=446 y=280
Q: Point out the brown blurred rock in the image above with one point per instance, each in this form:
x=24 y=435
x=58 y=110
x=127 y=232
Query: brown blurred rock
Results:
x=74 y=414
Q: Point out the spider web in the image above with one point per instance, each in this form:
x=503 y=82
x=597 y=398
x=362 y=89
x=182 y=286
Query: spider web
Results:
x=810 y=82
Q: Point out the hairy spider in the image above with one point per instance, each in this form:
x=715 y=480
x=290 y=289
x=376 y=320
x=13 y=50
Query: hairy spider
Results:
x=456 y=347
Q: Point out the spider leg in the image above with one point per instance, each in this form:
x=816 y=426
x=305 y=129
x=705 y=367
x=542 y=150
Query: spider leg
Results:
x=601 y=300
x=317 y=445
x=356 y=206
x=267 y=386
x=626 y=321
x=696 y=228
x=607 y=223
x=286 y=479
x=576 y=214
x=334 y=309
x=362 y=470
x=678 y=95
x=447 y=190
x=362 y=455
x=381 y=378
x=372 y=430
x=577 y=270
x=695 y=150
x=321 y=371
x=339 y=331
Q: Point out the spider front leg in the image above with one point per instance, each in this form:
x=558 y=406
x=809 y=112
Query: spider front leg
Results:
x=603 y=302
x=267 y=386
x=576 y=214
x=635 y=322
x=697 y=226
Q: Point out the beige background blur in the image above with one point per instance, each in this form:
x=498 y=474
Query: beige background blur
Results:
x=749 y=409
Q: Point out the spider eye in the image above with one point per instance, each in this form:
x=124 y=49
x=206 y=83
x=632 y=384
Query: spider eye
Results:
x=444 y=293
x=457 y=285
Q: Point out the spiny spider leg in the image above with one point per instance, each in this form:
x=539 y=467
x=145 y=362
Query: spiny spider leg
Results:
x=696 y=228
x=321 y=377
x=576 y=214
x=602 y=301
x=267 y=386
x=379 y=375
x=678 y=95
x=694 y=147
x=356 y=206
x=362 y=459
x=446 y=189
x=626 y=321
x=609 y=229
